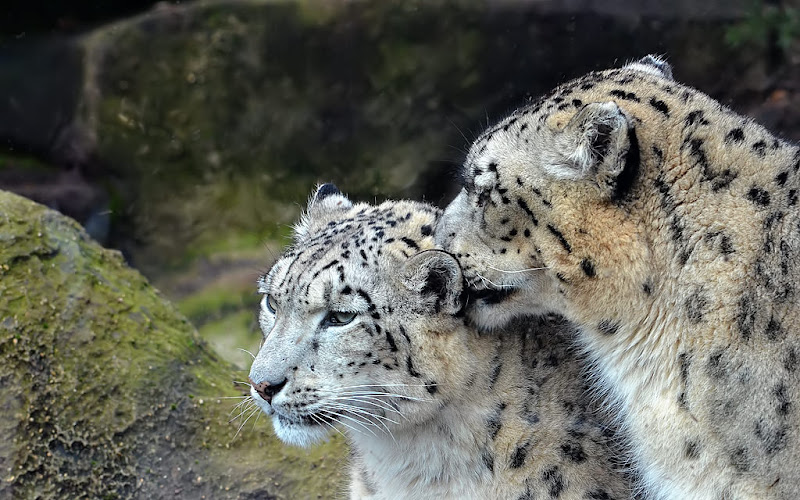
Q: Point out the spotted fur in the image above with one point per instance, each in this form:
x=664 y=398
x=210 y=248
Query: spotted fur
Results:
x=666 y=227
x=430 y=408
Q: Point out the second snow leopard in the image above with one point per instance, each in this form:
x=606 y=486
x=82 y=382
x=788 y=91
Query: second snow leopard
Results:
x=667 y=228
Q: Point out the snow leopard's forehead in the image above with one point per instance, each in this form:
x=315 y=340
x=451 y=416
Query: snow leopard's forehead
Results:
x=358 y=240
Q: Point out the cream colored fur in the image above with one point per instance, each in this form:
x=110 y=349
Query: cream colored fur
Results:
x=666 y=227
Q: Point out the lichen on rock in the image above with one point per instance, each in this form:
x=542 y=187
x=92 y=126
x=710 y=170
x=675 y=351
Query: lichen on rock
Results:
x=106 y=390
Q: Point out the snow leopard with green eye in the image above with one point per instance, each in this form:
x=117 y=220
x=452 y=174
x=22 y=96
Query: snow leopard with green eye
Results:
x=364 y=332
x=666 y=227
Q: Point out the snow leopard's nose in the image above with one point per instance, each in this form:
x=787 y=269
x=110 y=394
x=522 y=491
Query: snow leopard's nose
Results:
x=267 y=390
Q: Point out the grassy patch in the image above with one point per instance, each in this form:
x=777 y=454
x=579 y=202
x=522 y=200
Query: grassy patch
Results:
x=230 y=334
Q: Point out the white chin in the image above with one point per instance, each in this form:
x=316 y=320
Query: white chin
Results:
x=297 y=433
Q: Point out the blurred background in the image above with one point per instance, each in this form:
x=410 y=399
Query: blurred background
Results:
x=188 y=135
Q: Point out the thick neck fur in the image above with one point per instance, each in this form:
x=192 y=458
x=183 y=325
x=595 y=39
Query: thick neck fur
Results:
x=706 y=263
x=697 y=204
x=683 y=283
x=499 y=433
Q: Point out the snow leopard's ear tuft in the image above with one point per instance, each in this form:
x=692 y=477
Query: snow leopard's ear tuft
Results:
x=653 y=64
x=323 y=191
x=326 y=200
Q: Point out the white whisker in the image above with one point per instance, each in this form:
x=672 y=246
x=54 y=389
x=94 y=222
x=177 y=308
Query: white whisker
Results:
x=492 y=283
x=346 y=424
x=354 y=420
x=243 y=409
x=410 y=398
x=369 y=400
x=386 y=427
x=325 y=423
x=361 y=411
x=255 y=410
x=390 y=395
x=240 y=406
x=242 y=403
x=382 y=385
x=376 y=390
x=516 y=271
x=248 y=352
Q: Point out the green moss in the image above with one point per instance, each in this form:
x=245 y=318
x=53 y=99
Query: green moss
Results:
x=765 y=23
x=244 y=243
x=232 y=333
x=23 y=162
x=217 y=301
x=97 y=368
x=217 y=292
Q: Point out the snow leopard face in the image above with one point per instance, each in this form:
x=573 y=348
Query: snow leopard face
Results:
x=359 y=319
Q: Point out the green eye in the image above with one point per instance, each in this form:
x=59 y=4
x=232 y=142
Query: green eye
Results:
x=269 y=302
x=339 y=318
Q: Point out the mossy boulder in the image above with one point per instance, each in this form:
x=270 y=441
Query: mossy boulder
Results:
x=106 y=390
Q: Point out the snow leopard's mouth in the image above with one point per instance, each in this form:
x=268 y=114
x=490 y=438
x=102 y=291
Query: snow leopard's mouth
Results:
x=310 y=420
x=301 y=430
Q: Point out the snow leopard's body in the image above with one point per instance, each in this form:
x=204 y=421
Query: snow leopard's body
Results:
x=364 y=331
x=665 y=226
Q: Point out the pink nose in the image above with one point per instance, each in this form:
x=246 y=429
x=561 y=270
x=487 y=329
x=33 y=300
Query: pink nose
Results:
x=267 y=390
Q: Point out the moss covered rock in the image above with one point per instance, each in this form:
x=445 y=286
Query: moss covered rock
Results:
x=106 y=391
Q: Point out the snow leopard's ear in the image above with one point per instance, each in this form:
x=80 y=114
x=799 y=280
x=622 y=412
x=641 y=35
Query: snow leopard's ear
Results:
x=599 y=144
x=326 y=200
x=435 y=277
x=653 y=64
x=327 y=197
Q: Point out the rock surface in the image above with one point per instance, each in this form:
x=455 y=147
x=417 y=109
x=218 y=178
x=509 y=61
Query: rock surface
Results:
x=106 y=391
x=206 y=121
